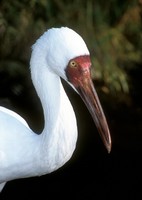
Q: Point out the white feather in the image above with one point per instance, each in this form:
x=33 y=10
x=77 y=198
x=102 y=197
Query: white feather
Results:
x=22 y=152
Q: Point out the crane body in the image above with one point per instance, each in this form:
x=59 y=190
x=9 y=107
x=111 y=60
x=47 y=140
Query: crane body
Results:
x=59 y=52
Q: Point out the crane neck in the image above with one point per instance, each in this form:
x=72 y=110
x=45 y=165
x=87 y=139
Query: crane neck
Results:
x=58 y=138
x=48 y=87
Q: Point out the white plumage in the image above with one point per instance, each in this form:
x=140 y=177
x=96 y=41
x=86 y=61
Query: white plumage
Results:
x=22 y=152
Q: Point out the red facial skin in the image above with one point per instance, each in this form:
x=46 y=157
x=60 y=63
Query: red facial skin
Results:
x=78 y=70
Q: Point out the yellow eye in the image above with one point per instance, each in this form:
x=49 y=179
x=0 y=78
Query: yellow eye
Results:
x=73 y=64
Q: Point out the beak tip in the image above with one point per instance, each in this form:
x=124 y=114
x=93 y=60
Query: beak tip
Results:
x=108 y=147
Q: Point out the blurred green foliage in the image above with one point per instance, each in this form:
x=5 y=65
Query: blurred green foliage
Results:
x=112 y=30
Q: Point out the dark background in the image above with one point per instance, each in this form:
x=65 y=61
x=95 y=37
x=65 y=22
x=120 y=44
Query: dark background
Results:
x=112 y=31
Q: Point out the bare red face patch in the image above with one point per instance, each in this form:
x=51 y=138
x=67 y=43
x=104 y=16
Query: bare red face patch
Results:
x=78 y=68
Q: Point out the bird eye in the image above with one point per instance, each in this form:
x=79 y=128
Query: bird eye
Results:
x=73 y=64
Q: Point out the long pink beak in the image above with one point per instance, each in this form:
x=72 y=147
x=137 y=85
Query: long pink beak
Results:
x=90 y=98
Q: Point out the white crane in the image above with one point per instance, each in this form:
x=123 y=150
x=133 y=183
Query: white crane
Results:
x=59 y=52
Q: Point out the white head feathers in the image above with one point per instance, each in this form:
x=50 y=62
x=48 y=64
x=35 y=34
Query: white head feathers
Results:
x=57 y=46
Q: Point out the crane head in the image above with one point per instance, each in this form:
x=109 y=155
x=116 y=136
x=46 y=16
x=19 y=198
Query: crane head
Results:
x=78 y=73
